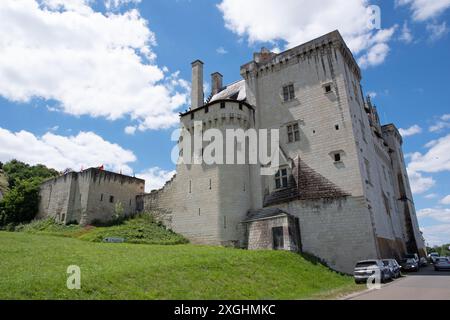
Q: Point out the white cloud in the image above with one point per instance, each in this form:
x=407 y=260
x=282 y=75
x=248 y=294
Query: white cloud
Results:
x=431 y=196
x=437 y=235
x=372 y=94
x=298 y=21
x=419 y=183
x=437 y=159
x=446 y=201
x=90 y=63
x=406 y=35
x=437 y=30
x=221 y=50
x=116 y=4
x=438 y=214
x=61 y=152
x=425 y=9
x=415 y=129
x=155 y=178
x=130 y=130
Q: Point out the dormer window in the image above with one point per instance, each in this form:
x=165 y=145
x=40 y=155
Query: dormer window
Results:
x=288 y=93
x=281 y=179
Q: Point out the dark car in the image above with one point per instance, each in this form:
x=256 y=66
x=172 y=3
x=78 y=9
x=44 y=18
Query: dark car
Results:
x=368 y=268
x=394 y=267
x=442 y=264
x=410 y=265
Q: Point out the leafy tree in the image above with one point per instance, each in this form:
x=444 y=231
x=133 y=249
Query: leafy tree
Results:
x=17 y=171
x=21 y=203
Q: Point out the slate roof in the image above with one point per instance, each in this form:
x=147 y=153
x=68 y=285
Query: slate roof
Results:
x=234 y=91
x=305 y=184
x=264 y=214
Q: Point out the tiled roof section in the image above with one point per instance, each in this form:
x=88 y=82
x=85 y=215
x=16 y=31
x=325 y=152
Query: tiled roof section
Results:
x=264 y=214
x=234 y=91
x=305 y=184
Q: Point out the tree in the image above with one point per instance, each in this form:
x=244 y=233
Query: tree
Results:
x=21 y=203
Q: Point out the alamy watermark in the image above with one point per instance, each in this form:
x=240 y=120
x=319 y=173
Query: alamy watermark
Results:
x=74 y=279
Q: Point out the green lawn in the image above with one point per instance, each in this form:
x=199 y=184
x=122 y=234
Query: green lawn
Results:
x=34 y=267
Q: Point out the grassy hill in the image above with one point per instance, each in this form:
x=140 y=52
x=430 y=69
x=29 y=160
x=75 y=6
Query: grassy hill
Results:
x=141 y=229
x=34 y=267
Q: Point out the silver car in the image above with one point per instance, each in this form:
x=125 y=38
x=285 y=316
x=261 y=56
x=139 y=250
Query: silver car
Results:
x=442 y=263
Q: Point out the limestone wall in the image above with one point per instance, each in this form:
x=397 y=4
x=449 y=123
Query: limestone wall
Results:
x=338 y=231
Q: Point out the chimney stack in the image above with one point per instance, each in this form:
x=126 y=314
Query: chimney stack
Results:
x=216 y=82
x=197 y=96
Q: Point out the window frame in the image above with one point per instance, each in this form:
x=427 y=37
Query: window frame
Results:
x=282 y=178
x=288 y=92
x=293 y=132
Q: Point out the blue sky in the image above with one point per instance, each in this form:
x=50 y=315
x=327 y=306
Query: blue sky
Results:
x=85 y=83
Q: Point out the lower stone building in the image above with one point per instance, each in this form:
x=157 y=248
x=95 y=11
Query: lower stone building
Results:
x=89 y=196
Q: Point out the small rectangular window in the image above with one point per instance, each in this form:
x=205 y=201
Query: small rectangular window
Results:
x=101 y=197
x=281 y=179
x=328 y=88
x=240 y=106
x=111 y=199
x=337 y=157
x=192 y=115
x=206 y=109
x=288 y=93
x=293 y=133
x=222 y=105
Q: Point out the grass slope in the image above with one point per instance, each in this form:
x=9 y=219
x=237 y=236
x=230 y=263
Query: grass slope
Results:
x=34 y=267
x=141 y=229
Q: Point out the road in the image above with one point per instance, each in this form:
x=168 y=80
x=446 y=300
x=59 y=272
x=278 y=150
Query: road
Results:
x=427 y=284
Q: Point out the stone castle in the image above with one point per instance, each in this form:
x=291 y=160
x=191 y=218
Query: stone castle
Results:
x=341 y=192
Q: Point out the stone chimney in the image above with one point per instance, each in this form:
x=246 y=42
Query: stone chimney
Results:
x=197 y=96
x=216 y=82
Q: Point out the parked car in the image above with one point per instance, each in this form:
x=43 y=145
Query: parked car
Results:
x=442 y=263
x=394 y=267
x=414 y=256
x=410 y=265
x=366 y=269
x=423 y=262
x=433 y=256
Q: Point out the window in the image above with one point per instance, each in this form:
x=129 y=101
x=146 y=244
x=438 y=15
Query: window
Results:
x=192 y=116
x=327 y=88
x=281 y=179
x=111 y=199
x=190 y=186
x=101 y=197
x=337 y=157
x=206 y=109
x=222 y=105
x=336 y=127
x=240 y=106
x=130 y=202
x=288 y=93
x=293 y=133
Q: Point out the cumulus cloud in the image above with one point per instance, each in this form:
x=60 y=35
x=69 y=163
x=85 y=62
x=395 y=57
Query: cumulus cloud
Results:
x=116 y=4
x=155 y=178
x=441 y=124
x=95 y=64
x=446 y=200
x=437 y=159
x=406 y=34
x=415 y=129
x=298 y=21
x=221 y=50
x=437 y=235
x=419 y=183
x=425 y=9
x=437 y=30
x=86 y=149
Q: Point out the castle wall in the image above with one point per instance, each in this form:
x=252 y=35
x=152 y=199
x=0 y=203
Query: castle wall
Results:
x=78 y=196
x=339 y=231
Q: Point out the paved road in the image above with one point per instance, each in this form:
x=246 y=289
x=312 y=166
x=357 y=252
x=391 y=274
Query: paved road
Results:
x=427 y=284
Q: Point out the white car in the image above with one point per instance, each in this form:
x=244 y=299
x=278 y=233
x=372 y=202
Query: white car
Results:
x=433 y=256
